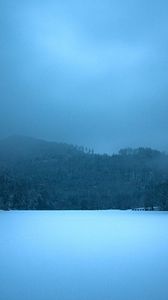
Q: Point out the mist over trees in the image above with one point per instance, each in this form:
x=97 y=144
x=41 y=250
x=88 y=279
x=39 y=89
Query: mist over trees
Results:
x=35 y=174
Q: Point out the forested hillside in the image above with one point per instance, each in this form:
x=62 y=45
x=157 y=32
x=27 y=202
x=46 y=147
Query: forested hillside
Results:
x=35 y=174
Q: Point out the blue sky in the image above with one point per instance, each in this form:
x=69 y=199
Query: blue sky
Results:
x=93 y=73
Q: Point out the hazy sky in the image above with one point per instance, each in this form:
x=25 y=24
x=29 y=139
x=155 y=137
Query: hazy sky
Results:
x=91 y=72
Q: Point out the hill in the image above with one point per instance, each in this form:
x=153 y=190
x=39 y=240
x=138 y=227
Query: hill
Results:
x=35 y=174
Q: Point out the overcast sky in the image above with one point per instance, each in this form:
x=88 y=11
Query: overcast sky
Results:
x=93 y=73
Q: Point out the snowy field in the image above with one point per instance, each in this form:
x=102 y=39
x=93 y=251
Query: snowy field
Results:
x=83 y=255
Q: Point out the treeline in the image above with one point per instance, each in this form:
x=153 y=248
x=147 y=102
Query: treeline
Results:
x=41 y=175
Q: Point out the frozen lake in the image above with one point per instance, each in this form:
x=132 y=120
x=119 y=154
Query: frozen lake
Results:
x=83 y=255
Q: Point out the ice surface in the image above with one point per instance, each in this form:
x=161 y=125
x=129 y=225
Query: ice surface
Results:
x=83 y=255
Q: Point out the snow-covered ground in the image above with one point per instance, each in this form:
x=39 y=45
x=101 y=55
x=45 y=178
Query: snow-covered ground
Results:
x=83 y=255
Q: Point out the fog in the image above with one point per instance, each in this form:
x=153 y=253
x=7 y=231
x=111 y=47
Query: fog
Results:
x=92 y=73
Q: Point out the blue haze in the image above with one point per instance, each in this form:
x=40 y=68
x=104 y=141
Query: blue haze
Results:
x=85 y=72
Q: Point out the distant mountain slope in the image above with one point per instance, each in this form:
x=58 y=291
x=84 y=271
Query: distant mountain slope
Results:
x=15 y=148
x=35 y=174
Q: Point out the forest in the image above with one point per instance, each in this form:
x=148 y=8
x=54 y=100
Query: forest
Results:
x=40 y=175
